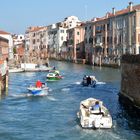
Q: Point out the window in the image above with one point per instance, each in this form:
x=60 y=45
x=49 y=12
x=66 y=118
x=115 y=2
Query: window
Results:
x=139 y=38
x=33 y=34
x=62 y=31
x=85 y=40
x=108 y=26
x=33 y=41
x=134 y=21
x=124 y=23
x=91 y=40
x=107 y=39
x=61 y=37
x=78 y=33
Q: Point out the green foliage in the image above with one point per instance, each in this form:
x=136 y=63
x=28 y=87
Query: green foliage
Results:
x=14 y=50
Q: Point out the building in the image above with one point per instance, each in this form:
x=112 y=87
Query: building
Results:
x=4 y=54
x=115 y=34
x=4 y=48
x=36 y=43
x=57 y=35
x=88 y=41
x=18 y=39
x=75 y=49
x=19 y=47
x=10 y=40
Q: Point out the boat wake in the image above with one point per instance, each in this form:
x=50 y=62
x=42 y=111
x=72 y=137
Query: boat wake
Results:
x=98 y=83
x=78 y=83
x=101 y=83
x=42 y=94
x=51 y=98
x=18 y=95
x=65 y=89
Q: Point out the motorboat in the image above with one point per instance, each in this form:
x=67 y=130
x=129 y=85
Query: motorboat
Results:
x=89 y=81
x=97 y=118
x=53 y=77
x=38 y=91
x=16 y=70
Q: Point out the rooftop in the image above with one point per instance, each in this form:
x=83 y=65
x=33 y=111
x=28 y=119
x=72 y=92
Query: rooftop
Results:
x=4 y=33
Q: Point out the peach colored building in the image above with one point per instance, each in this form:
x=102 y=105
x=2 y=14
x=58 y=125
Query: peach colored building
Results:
x=75 y=43
x=8 y=36
x=4 y=48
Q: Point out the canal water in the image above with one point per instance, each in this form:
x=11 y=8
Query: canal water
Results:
x=53 y=117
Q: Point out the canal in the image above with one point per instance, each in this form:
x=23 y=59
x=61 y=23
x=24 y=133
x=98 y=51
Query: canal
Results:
x=53 y=117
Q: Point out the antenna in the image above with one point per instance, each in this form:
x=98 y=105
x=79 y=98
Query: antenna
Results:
x=85 y=12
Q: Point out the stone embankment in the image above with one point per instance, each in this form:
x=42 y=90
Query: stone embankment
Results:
x=130 y=82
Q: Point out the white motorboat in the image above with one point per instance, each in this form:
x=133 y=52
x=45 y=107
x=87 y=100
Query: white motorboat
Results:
x=16 y=70
x=98 y=118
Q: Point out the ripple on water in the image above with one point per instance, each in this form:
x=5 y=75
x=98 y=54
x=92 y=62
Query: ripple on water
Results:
x=53 y=117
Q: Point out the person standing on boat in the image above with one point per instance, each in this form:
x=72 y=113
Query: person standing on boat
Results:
x=38 y=84
x=88 y=80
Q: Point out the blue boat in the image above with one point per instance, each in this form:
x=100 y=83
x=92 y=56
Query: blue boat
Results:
x=38 y=91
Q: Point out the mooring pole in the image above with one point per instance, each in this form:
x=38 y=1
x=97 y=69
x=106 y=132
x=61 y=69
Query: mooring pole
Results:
x=6 y=86
x=0 y=84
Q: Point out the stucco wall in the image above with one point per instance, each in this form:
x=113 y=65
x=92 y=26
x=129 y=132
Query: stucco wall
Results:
x=130 y=82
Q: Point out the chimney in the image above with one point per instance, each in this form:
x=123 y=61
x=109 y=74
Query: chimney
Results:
x=113 y=11
x=130 y=6
x=107 y=14
x=95 y=19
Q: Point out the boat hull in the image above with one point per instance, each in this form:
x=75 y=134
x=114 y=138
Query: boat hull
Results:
x=37 y=91
x=53 y=77
x=94 y=118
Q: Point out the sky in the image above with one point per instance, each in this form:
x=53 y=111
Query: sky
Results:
x=17 y=15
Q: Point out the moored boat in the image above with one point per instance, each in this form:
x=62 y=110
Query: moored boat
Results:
x=16 y=70
x=94 y=118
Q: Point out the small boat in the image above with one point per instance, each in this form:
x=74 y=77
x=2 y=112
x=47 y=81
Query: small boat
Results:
x=53 y=77
x=89 y=81
x=16 y=70
x=38 y=91
x=54 y=71
x=94 y=118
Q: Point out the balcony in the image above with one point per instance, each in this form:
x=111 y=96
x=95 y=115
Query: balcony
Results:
x=99 y=44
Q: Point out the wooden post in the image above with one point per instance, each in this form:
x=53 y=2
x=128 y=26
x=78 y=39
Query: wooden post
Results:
x=100 y=61
x=0 y=84
x=93 y=59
